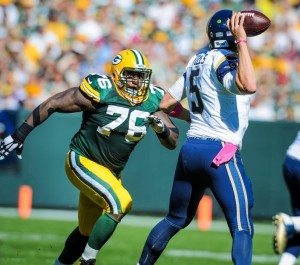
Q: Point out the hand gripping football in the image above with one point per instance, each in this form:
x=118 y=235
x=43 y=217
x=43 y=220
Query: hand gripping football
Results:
x=255 y=22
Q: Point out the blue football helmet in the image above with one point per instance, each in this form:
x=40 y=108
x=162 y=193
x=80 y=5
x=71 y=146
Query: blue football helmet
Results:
x=220 y=37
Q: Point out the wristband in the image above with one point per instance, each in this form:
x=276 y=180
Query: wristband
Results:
x=22 y=132
x=241 y=41
x=164 y=134
x=176 y=111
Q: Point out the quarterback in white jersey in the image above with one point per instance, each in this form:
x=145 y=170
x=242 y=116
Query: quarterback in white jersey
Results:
x=217 y=83
x=219 y=109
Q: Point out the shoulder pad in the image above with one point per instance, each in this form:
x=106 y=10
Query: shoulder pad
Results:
x=226 y=63
x=92 y=85
x=222 y=55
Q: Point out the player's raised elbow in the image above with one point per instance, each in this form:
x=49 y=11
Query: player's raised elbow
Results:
x=250 y=89
x=247 y=86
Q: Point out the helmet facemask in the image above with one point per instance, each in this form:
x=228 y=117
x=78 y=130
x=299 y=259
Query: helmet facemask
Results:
x=131 y=74
x=134 y=83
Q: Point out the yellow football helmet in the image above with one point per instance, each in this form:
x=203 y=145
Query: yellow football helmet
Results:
x=131 y=74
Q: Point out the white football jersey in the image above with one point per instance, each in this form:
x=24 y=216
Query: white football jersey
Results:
x=217 y=108
x=294 y=149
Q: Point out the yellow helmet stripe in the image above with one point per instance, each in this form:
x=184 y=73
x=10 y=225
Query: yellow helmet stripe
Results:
x=138 y=57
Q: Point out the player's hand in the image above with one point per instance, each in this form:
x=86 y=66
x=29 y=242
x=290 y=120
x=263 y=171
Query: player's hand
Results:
x=236 y=25
x=156 y=123
x=9 y=144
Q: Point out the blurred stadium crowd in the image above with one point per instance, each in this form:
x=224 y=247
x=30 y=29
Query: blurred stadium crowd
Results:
x=49 y=46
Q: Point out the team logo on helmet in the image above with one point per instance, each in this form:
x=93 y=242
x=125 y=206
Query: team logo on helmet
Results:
x=117 y=59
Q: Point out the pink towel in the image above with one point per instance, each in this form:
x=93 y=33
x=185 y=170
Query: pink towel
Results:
x=225 y=154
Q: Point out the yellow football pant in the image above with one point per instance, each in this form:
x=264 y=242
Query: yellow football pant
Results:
x=100 y=190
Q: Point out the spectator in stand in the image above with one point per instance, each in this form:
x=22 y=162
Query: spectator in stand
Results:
x=39 y=30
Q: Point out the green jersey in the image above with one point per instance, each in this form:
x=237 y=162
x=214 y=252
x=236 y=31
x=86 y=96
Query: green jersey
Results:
x=109 y=134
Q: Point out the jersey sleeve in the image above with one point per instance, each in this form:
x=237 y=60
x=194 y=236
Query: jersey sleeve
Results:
x=89 y=87
x=226 y=72
x=177 y=90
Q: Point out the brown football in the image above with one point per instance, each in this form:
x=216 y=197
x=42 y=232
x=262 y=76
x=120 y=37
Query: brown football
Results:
x=255 y=22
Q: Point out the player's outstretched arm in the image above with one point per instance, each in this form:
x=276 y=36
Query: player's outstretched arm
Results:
x=165 y=129
x=171 y=106
x=71 y=100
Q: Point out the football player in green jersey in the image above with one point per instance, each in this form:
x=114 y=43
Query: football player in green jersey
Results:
x=116 y=112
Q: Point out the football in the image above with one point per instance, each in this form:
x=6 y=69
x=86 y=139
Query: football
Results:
x=255 y=22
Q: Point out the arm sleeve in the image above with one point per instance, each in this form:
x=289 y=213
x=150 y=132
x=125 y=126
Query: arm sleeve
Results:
x=177 y=90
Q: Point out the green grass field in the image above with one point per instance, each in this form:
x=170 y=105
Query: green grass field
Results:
x=37 y=241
